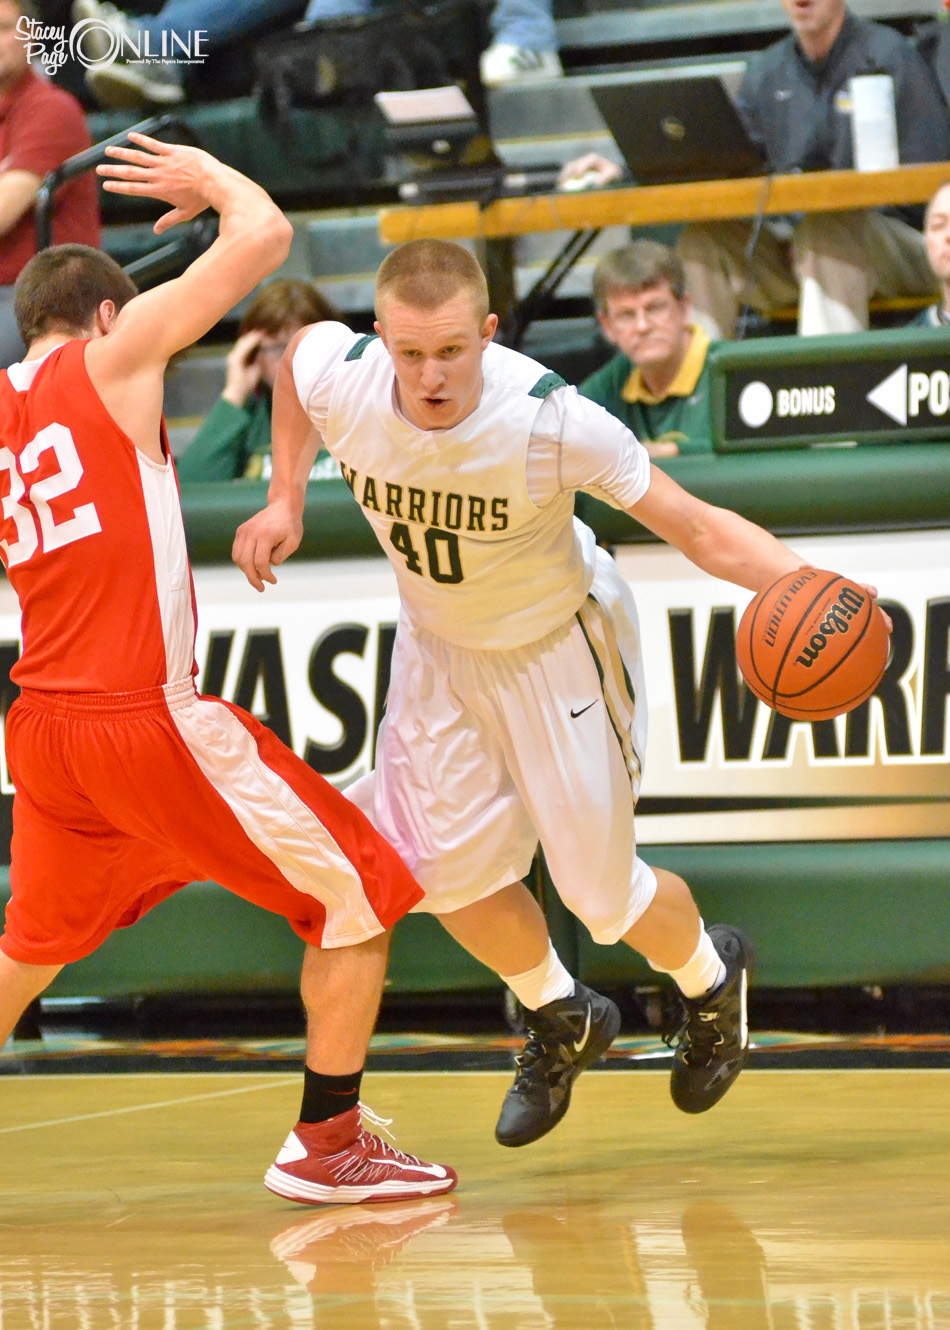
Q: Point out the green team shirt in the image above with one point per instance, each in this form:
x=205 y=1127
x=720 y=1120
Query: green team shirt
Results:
x=682 y=416
x=231 y=442
x=234 y=443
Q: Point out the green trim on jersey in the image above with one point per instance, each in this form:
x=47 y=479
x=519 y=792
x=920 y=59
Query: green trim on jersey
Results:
x=357 y=349
x=616 y=685
x=547 y=384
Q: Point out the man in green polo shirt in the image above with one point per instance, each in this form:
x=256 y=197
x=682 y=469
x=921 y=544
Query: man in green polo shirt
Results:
x=658 y=383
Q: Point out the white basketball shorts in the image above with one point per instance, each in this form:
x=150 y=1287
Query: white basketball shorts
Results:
x=483 y=753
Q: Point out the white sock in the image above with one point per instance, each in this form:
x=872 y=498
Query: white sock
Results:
x=703 y=972
x=544 y=983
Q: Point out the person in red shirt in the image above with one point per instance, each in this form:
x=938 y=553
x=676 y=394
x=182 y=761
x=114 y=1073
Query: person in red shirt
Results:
x=40 y=127
x=129 y=785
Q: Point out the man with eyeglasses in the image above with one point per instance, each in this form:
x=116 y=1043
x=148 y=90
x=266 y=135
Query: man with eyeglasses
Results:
x=658 y=382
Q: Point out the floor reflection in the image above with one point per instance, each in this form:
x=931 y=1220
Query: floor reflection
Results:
x=439 y=1263
x=566 y=1269
x=343 y=1250
x=823 y=1209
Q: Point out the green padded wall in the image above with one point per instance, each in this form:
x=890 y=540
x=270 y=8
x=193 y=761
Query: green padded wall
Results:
x=204 y=939
x=863 y=912
x=807 y=490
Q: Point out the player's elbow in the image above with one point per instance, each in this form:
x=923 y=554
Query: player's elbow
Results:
x=261 y=245
x=277 y=235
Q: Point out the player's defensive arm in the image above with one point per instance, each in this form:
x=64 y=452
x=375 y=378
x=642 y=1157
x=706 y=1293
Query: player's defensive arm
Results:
x=253 y=239
x=272 y=535
x=717 y=540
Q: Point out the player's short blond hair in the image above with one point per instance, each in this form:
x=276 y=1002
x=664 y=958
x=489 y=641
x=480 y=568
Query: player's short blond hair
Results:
x=424 y=274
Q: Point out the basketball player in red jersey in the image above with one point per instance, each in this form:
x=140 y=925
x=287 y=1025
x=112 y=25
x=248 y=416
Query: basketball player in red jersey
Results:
x=128 y=784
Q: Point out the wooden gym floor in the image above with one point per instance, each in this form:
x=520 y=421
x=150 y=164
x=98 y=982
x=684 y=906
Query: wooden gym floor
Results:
x=807 y=1200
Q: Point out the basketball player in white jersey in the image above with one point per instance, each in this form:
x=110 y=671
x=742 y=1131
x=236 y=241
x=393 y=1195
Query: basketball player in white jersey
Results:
x=516 y=708
x=129 y=785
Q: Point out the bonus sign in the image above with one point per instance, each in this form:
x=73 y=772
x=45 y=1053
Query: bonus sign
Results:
x=868 y=388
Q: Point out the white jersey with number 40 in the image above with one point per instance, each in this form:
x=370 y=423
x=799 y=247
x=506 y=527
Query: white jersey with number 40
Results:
x=478 y=562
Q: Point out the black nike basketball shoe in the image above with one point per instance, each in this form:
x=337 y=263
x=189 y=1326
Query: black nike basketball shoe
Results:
x=564 y=1037
x=714 y=1032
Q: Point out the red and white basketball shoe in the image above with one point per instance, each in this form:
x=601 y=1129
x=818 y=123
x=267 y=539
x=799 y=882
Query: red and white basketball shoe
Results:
x=339 y=1162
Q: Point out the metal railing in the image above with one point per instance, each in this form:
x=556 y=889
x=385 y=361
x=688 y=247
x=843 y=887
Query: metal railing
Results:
x=187 y=243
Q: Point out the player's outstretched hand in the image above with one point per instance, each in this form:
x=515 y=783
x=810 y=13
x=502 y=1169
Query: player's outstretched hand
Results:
x=173 y=172
x=265 y=541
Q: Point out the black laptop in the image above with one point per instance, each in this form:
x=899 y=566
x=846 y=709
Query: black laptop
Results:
x=671 y=130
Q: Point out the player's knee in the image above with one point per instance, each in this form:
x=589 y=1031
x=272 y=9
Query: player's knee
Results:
x=608 y=916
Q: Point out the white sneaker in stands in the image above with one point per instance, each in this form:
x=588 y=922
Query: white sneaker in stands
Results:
x=339 y=1162
x=117 y=78
x=503 y=63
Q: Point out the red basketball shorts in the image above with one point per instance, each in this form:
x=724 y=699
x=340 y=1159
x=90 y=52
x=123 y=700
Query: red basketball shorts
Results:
x=123 y=798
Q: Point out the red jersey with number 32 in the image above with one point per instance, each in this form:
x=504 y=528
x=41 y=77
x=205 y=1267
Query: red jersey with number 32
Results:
x=91 y=537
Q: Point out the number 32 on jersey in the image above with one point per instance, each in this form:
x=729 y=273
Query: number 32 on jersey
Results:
x=51 y=535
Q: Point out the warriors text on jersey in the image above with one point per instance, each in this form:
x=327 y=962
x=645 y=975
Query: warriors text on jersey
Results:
x=477 y=519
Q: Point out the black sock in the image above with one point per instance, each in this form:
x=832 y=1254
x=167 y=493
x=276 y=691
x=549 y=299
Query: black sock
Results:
x=326 y=1096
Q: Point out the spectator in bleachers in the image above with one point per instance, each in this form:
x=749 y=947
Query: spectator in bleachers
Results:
x=524 y=43
x=658 y=382
x=524 y=39
x=40 y=127
x=120 y=83
x=794 y=99
x=937 y=240
x=235 y=439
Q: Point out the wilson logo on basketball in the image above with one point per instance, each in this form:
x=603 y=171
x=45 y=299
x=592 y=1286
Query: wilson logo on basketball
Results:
x=837 y=620
x=802 y=616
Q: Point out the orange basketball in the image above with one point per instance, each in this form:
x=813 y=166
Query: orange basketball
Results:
x=812 y=645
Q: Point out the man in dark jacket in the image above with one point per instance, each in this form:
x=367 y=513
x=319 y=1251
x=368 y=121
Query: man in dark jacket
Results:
x=796 y=102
